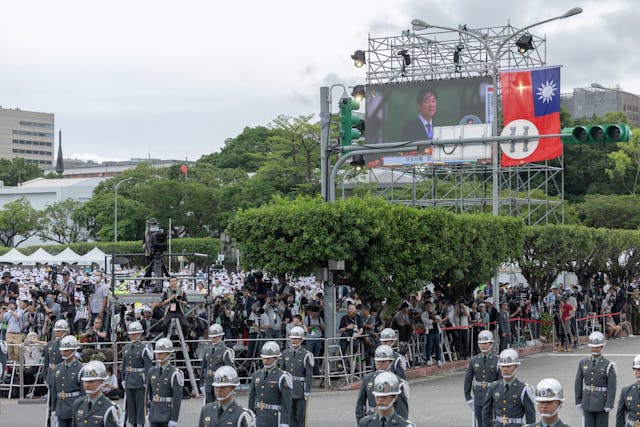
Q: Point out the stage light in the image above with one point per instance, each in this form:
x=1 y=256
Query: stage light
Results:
x=359 y=58
x=525 y=43
x=358 y=162
x=358 y=93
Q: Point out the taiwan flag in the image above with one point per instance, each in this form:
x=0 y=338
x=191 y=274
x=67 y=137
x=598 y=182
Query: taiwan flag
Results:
x=531 y=105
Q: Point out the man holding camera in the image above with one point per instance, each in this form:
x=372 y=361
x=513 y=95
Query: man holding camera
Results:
x=174 y=302
x=12 y=316
x=66 y=296
x=272 y=318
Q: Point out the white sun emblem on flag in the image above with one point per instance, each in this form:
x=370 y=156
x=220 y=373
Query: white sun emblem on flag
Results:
x=546 y=91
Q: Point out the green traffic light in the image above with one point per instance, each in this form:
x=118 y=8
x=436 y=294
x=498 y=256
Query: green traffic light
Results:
x=596 y=133
x=349 y=124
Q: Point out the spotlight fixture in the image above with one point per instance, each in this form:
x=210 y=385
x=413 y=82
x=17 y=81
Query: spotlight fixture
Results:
x=357 y=162
x=358 y=93
x=359 y=58
x=524 y=43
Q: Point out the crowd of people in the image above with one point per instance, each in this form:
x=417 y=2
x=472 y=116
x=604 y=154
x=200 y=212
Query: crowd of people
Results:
x=47 y=315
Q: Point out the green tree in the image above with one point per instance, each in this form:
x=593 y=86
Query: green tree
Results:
x=246 y=151
x=18 y=222
x=610 y=211
x=58 y=224
x=625 y=164
x=389 y=250
x=18 y=170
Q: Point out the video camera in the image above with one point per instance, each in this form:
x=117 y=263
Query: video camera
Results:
x=155 y=238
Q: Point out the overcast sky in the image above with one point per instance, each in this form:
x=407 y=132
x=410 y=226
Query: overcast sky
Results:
x=174 y=79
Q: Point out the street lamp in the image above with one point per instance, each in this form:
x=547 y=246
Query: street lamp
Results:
x=495 y=59
x=115 y=208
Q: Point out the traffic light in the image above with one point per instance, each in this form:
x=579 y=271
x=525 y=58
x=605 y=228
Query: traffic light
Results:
x=351 y=126
x=596 y=133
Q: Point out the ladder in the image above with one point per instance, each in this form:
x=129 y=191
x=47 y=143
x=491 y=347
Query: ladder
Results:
x=175 y=326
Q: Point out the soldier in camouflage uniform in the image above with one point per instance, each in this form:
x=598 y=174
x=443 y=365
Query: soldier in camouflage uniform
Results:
x=65 y=384
x=216 y=356
x=164 y=388
x=137 y=359
x=298 y=362
x=225 y=411
x=481 y=371
x=628 y=413
x=508 y=402
x=388 y=337
x=386 y=388
x=366 y=403
x=270 y=393
x=549 y=398
x=95 y=409
x=595 y=386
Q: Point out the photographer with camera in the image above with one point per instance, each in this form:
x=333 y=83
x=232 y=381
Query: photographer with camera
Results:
x=174 y=301
x=66 y=297
x=96 y=333
x=12 y=315
x=272 y=318
x=350 y=328
x=223 y=315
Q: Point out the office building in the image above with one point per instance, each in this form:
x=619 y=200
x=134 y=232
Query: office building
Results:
x=27 y=134
x=587 y=102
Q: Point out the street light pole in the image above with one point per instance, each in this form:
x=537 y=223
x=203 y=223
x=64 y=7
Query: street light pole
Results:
x=495 y=60
x=115 y=208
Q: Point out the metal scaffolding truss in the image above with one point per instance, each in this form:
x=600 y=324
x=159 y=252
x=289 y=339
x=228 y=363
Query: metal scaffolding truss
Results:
x=432 y=54
x=534 y=191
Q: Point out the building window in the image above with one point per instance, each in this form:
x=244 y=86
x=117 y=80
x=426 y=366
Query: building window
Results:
x=29 y=133
x=37 y=124
x=29 y=142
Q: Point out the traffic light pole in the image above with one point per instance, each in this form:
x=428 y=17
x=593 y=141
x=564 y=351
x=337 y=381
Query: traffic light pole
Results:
x=325 y=164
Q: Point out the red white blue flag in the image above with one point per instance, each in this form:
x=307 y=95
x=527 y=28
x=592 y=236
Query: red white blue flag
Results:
x=531 y=106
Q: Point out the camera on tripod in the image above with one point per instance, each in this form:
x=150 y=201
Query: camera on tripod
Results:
x=156 y=239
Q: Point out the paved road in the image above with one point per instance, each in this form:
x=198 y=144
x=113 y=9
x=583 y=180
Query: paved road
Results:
x=434 y=401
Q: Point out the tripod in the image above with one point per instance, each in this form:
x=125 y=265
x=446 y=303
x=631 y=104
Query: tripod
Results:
x=159 y=270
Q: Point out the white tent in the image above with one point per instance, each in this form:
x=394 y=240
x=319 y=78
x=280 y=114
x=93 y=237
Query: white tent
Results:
x=41 y=256
x=14 y=256
x=68 y=256
x=94 y=255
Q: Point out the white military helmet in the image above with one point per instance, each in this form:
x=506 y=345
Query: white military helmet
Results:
x=388 y=334
x=485 y=337
x=270 y=349
x=215 y=330
x=596 y=339
x=296 y=332
x=226 y=376
x=164 y=345
x=508 y=357
x=94 y=370
x=383 y=352
x=69 y=343
x=636 y=362
x=549 y=389
x=61 y=325
x=386 y=384
x=135 y=328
